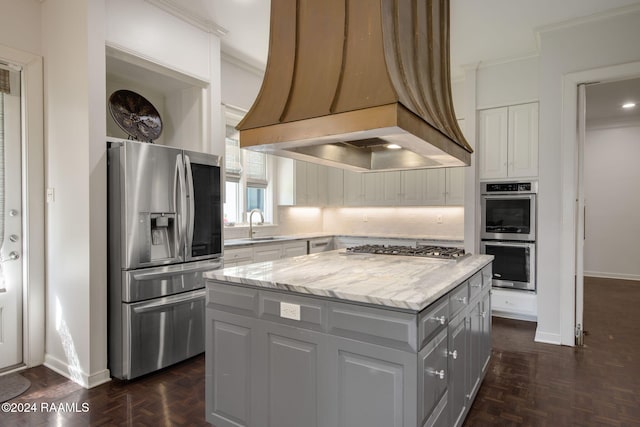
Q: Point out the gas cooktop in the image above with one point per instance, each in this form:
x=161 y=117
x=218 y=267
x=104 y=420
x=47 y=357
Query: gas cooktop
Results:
x=440 y=252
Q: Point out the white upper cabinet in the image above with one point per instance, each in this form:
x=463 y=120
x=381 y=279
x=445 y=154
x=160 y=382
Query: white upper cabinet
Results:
x=381 y=188
x=432 y=187
x=301 y=183
x=435 y=187
x=508 y=142
x=335 y=187
x=455 y=186
x=353 y=188
x=523 y=138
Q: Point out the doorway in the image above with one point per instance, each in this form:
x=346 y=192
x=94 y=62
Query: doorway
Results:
x=11 y=219
x=608 y=177
x=29 y=244
x=571 y=299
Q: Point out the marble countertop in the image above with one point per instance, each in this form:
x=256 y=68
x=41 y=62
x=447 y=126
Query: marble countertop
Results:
x=403 y=282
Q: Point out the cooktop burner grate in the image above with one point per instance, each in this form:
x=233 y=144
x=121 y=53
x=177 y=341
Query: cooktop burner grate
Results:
x=440 y=252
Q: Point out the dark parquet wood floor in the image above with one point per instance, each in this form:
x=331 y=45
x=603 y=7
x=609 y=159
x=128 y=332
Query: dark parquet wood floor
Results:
x=528 y=383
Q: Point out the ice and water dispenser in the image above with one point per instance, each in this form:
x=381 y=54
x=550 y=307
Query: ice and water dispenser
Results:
x=161 y=236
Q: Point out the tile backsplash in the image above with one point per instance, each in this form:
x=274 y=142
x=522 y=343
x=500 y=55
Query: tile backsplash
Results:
x=432 y=222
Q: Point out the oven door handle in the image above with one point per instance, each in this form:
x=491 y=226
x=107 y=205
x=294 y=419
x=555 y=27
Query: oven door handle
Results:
x=516 y=244
x=170 y=301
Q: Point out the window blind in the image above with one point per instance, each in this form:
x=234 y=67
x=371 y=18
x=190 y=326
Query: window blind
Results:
x=5 y=81
x=256 y=163
x=233 y=161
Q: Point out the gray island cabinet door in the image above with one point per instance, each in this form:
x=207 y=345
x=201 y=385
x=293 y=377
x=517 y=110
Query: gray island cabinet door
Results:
x=375 y=386
x=292 y=374
x=228 y=372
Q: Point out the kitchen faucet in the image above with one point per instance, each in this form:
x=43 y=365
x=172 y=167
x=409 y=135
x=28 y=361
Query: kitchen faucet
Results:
x=251 y=221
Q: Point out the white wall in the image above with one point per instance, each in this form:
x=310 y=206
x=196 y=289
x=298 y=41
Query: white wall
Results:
x=613 y=201
x=20 y=25
x=240 y=83
x=73 y=47
x=507 y=83
x=137 y=26
x=581 y=47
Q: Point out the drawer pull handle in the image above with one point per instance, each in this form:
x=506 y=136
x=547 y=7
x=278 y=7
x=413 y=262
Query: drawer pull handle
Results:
x=477 y=285
x=462 y=299
x=439 y=374
x=483 y=314
x=454 y=354
x=442 y=320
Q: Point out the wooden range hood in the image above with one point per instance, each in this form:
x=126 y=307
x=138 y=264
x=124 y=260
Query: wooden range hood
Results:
x=346 y=78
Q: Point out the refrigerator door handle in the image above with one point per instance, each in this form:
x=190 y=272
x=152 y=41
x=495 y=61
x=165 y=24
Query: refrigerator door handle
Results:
x=170 y=301
x=190 y=206
x=180 y=200
x=152 y=275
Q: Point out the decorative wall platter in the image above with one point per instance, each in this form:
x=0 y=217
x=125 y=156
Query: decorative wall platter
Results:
x=135 y=115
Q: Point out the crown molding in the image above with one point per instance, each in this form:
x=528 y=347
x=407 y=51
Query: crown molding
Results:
x=176 y=9
x=611 y=13
x=230 y=56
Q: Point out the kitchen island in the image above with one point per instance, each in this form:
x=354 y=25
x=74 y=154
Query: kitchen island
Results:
x=347 y=340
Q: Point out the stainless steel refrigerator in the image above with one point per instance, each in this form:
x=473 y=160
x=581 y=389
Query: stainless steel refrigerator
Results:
x=165 y=231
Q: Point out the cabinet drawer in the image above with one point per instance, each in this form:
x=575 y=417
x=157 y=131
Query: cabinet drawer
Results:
x=382 y=327
x=432 y=320
x=294 y=310
x=320 y=245
x=458 y=299
x=238 y=255
x=232 y=298
x=475 y=285
x=295 y=248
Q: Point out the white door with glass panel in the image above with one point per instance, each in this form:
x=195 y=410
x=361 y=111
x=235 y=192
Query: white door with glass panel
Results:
x=11 y=215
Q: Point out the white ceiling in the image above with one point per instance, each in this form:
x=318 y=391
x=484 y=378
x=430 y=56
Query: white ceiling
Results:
x=490 y=30
x=481 y=31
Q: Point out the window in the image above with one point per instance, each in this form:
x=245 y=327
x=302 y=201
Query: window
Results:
x=247 y=179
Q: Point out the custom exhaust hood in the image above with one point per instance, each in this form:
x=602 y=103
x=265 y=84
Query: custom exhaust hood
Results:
x=358 y=84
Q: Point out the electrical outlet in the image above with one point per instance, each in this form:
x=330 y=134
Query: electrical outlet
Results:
x=439 y=219
x=290 y=311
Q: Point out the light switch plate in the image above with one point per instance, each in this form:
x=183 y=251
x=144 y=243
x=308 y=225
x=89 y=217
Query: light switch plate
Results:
x=290 y=311
x=51 y=195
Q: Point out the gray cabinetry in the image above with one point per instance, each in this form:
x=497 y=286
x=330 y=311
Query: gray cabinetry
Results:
x=433 y=382
x=284 y=360
x=458 y=360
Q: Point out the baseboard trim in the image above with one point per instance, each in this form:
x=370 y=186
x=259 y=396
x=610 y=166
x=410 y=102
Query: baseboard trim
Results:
x=76 y=375
x=514 y=316
x=547 y=337
x=604 y=275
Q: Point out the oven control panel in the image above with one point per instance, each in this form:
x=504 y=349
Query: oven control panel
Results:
x=509 y=187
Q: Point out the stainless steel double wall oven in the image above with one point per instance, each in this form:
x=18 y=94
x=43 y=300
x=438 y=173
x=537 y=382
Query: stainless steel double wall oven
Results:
x=508 y=232
x=165 y=231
